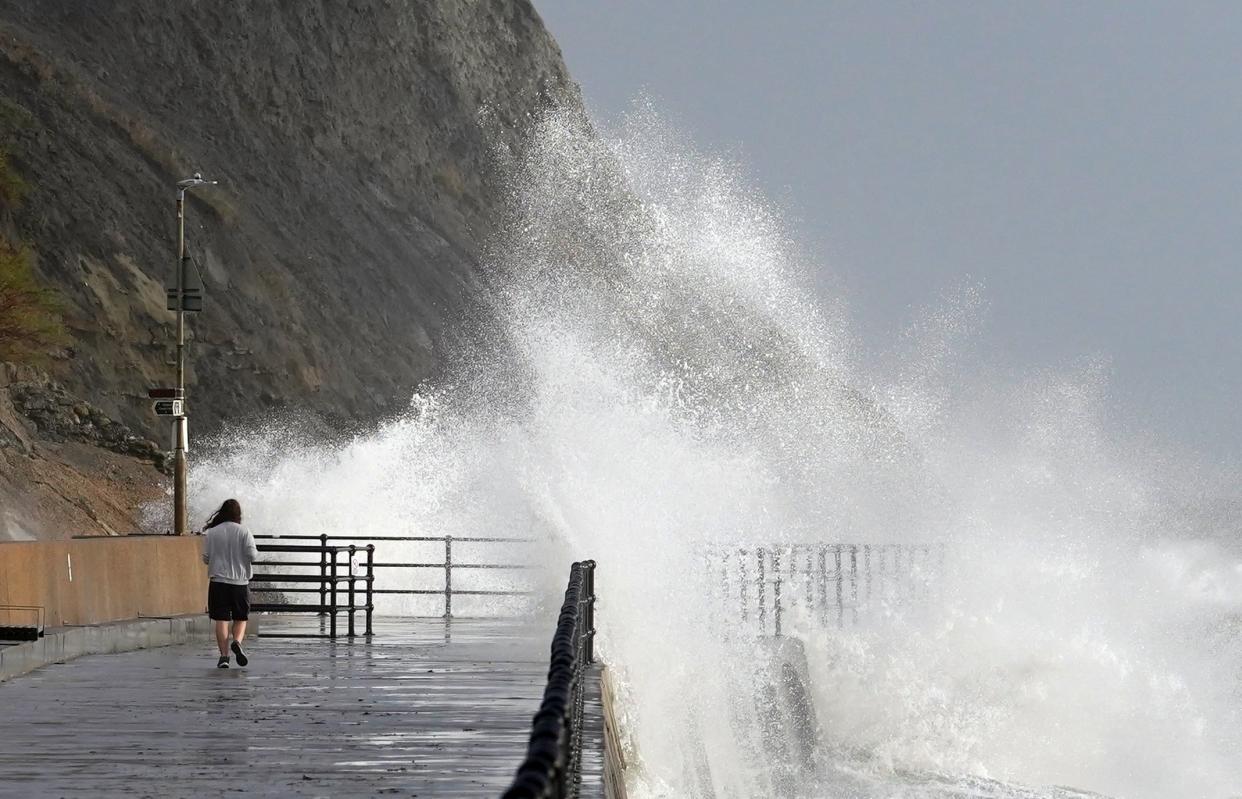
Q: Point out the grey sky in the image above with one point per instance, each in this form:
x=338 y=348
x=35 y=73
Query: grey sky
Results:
x=1081 y=160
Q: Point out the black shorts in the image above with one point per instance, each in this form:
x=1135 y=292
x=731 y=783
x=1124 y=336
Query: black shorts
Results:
x=227 y=602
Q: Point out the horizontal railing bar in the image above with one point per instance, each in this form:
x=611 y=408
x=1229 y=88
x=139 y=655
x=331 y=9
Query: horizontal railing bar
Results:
x=398 y=565
x=314 y=563
x=730 y=549
x=301 y=591
x=493 y=566
x=455 y=565
x=455 y=592
x=269 y=588
x=326 y=610
x=269 y=607
x=465 y=539
x=303 y=548
x=254 y=590
x=427 y=591
x=306 y=578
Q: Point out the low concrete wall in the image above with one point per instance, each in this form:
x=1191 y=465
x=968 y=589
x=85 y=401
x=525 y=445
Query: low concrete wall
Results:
x=97 y=580
x=125 y=636
x=615 y=766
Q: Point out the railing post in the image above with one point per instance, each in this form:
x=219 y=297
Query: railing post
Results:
x=762 y=584
x=448 y=576
x=823 y=585
x=776 y=591
x=836 y=553
x=332 y=612
x=370 y=588
x=867 y=571
x=741 y=568
x=882 y=571
x=809 y=600
x=854 y=580
x=323 y=573
x=352 y=549
x=589 y=587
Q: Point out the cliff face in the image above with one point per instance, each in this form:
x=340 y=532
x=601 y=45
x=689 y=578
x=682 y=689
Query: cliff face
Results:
x=338 y=253
x=65 y=467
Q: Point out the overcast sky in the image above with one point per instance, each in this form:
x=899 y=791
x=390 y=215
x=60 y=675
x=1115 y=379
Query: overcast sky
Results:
x=1081 y=160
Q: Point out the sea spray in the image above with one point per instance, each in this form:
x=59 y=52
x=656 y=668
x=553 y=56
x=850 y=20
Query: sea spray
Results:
x=656 y=381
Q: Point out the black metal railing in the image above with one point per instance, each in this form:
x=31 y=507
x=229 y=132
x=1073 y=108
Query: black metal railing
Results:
x=553 y=765
x=28 y=628
x=832 y=582
x=324 y=576
x=445 y=567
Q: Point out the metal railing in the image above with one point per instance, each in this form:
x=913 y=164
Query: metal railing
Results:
x=447 y=566
x=30 y=630
x=831 y=581
x=327 y=572
x=553 y=765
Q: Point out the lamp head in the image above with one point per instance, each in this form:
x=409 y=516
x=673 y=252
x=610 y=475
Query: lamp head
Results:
x=195 y=181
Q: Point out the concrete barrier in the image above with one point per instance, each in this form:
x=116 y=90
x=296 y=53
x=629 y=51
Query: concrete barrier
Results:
x=62 y=645
x=88 y=581
x=615 y=765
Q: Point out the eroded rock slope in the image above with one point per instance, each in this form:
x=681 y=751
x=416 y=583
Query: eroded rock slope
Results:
x=339 y=252
x=354 y=144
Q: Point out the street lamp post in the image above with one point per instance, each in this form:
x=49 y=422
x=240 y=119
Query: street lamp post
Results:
x=181 y=435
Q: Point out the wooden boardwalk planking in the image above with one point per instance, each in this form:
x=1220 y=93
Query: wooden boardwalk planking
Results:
x=416 y=712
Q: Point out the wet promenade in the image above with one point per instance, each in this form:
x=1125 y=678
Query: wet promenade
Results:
x=426 y=709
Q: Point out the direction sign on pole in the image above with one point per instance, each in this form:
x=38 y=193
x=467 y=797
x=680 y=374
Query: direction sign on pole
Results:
x=169 y=407
x=191 y=300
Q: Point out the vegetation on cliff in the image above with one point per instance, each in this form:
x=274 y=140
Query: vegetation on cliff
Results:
x=340 y=252
x=356 y=148
x=30 y=323
x=30 y=313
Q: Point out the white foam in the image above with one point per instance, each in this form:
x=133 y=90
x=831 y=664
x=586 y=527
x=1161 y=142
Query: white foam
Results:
x=665 y=381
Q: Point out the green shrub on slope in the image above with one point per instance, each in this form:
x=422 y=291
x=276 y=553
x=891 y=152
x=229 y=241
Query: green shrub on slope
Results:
x=12 y=186
x=30 y=314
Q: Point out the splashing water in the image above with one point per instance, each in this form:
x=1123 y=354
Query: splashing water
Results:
x=656 y=379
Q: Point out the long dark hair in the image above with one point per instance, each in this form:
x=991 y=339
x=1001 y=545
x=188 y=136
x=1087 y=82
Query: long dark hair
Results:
x=230 y=511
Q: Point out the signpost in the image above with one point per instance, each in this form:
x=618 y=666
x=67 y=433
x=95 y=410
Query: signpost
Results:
x=169 y=408
x=182 y=298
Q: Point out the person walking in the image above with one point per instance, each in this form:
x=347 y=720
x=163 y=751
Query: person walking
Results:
x=229 y=552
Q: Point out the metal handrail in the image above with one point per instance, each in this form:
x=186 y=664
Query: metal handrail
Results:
x=490 y=539
x=447 y=565
x=327 y=576
x=23 y=632
x=831 y=580
x=553 y=765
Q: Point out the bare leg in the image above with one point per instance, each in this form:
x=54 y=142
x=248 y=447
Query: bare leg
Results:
x=222 y=637
x=239 y=631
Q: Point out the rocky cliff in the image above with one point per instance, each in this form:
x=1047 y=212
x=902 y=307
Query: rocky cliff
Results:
x=353 y=141
x=339 y=250
x=66 y=468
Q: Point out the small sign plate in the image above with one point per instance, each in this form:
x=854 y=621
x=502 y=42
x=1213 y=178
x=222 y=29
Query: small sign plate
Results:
x=170 y=407
x=191 y=300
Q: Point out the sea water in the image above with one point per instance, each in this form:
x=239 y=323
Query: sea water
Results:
x=655 y=379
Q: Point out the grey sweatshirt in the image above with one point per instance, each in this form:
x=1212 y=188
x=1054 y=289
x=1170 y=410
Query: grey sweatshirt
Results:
x=228 y=553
